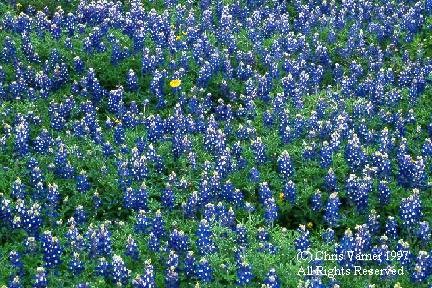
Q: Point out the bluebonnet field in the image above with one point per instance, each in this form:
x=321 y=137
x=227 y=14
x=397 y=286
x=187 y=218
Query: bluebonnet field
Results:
x=205 y=143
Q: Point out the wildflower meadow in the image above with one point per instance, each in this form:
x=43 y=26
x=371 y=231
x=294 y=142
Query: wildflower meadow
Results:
x=215 y=143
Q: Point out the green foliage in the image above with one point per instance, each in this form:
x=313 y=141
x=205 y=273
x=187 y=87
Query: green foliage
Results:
x=52 y=5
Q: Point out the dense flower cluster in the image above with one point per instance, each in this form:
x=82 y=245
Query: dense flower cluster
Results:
x=181 y=143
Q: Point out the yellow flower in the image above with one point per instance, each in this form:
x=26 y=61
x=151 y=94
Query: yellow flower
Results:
x=175 y=83
x=178 y=37
x=281 y=196
x=309 y=225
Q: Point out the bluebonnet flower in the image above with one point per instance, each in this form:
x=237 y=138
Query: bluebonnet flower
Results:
x=354 y=153
x=80 y=215
x=204 y=195
x=154 y=242
x=30 y=245
x=384 y=193
x=140 y=198
x=241 y=233
x=115 y=100
x=272 y=280
x=229 y=191
x=2 y=74
x=78 y=64
x=236 y=197
x=268 y=118
x=99 y=241
x=103 y=268
x=120 y=274
x=271 y=210
x=178 y=241
x=405 y=249
x=391 y=228
x=6 y=210
x=171 y=278
x=16 y=262
x=82 y=183
x=204 y=240
x=245 y=132
x=190 y=207
x=189 y=265
x=173 y=259
x=302 y=242
x=62 y=166
x=18 y=190
x=51 y=250
x=143 y=222
x=119 y=134
x=215 y=140
x=75 y=239
x=358 y=190
x=309 y=151
x=259 y=151
x=244 y=274
x=148 y=61
x=285 y=166
x=192 y=160
x=155 y=128
x=129 y=198
x=42 y=142
x=58 y=116
x=331 y=214
x=326 y=155
x=330 y=181
x=158 y=225
x=204 y=271
x=316 y=201
x=428 y=6
x=422 y=268
x=131 y=81
x=264 y=192
x=374 y=222
x=410 y=209
x=382 y=163
x=147 y=280
x=156 y=87
x=411 y=172
x=40 y=280
x=124 y=173
x=76 y=266
x=131 y=248
x=139 y=168
x=97 y=201
x=345 y=245
x=328 y=235
x=118 y=54
x=168 y=197
x=72 y=231
x=22 y=138
x=209 y=212
x=15 y=282
x=290 y=192
x=302 y=61
x=424 y=232
x=254 y=175
x=427 y=148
